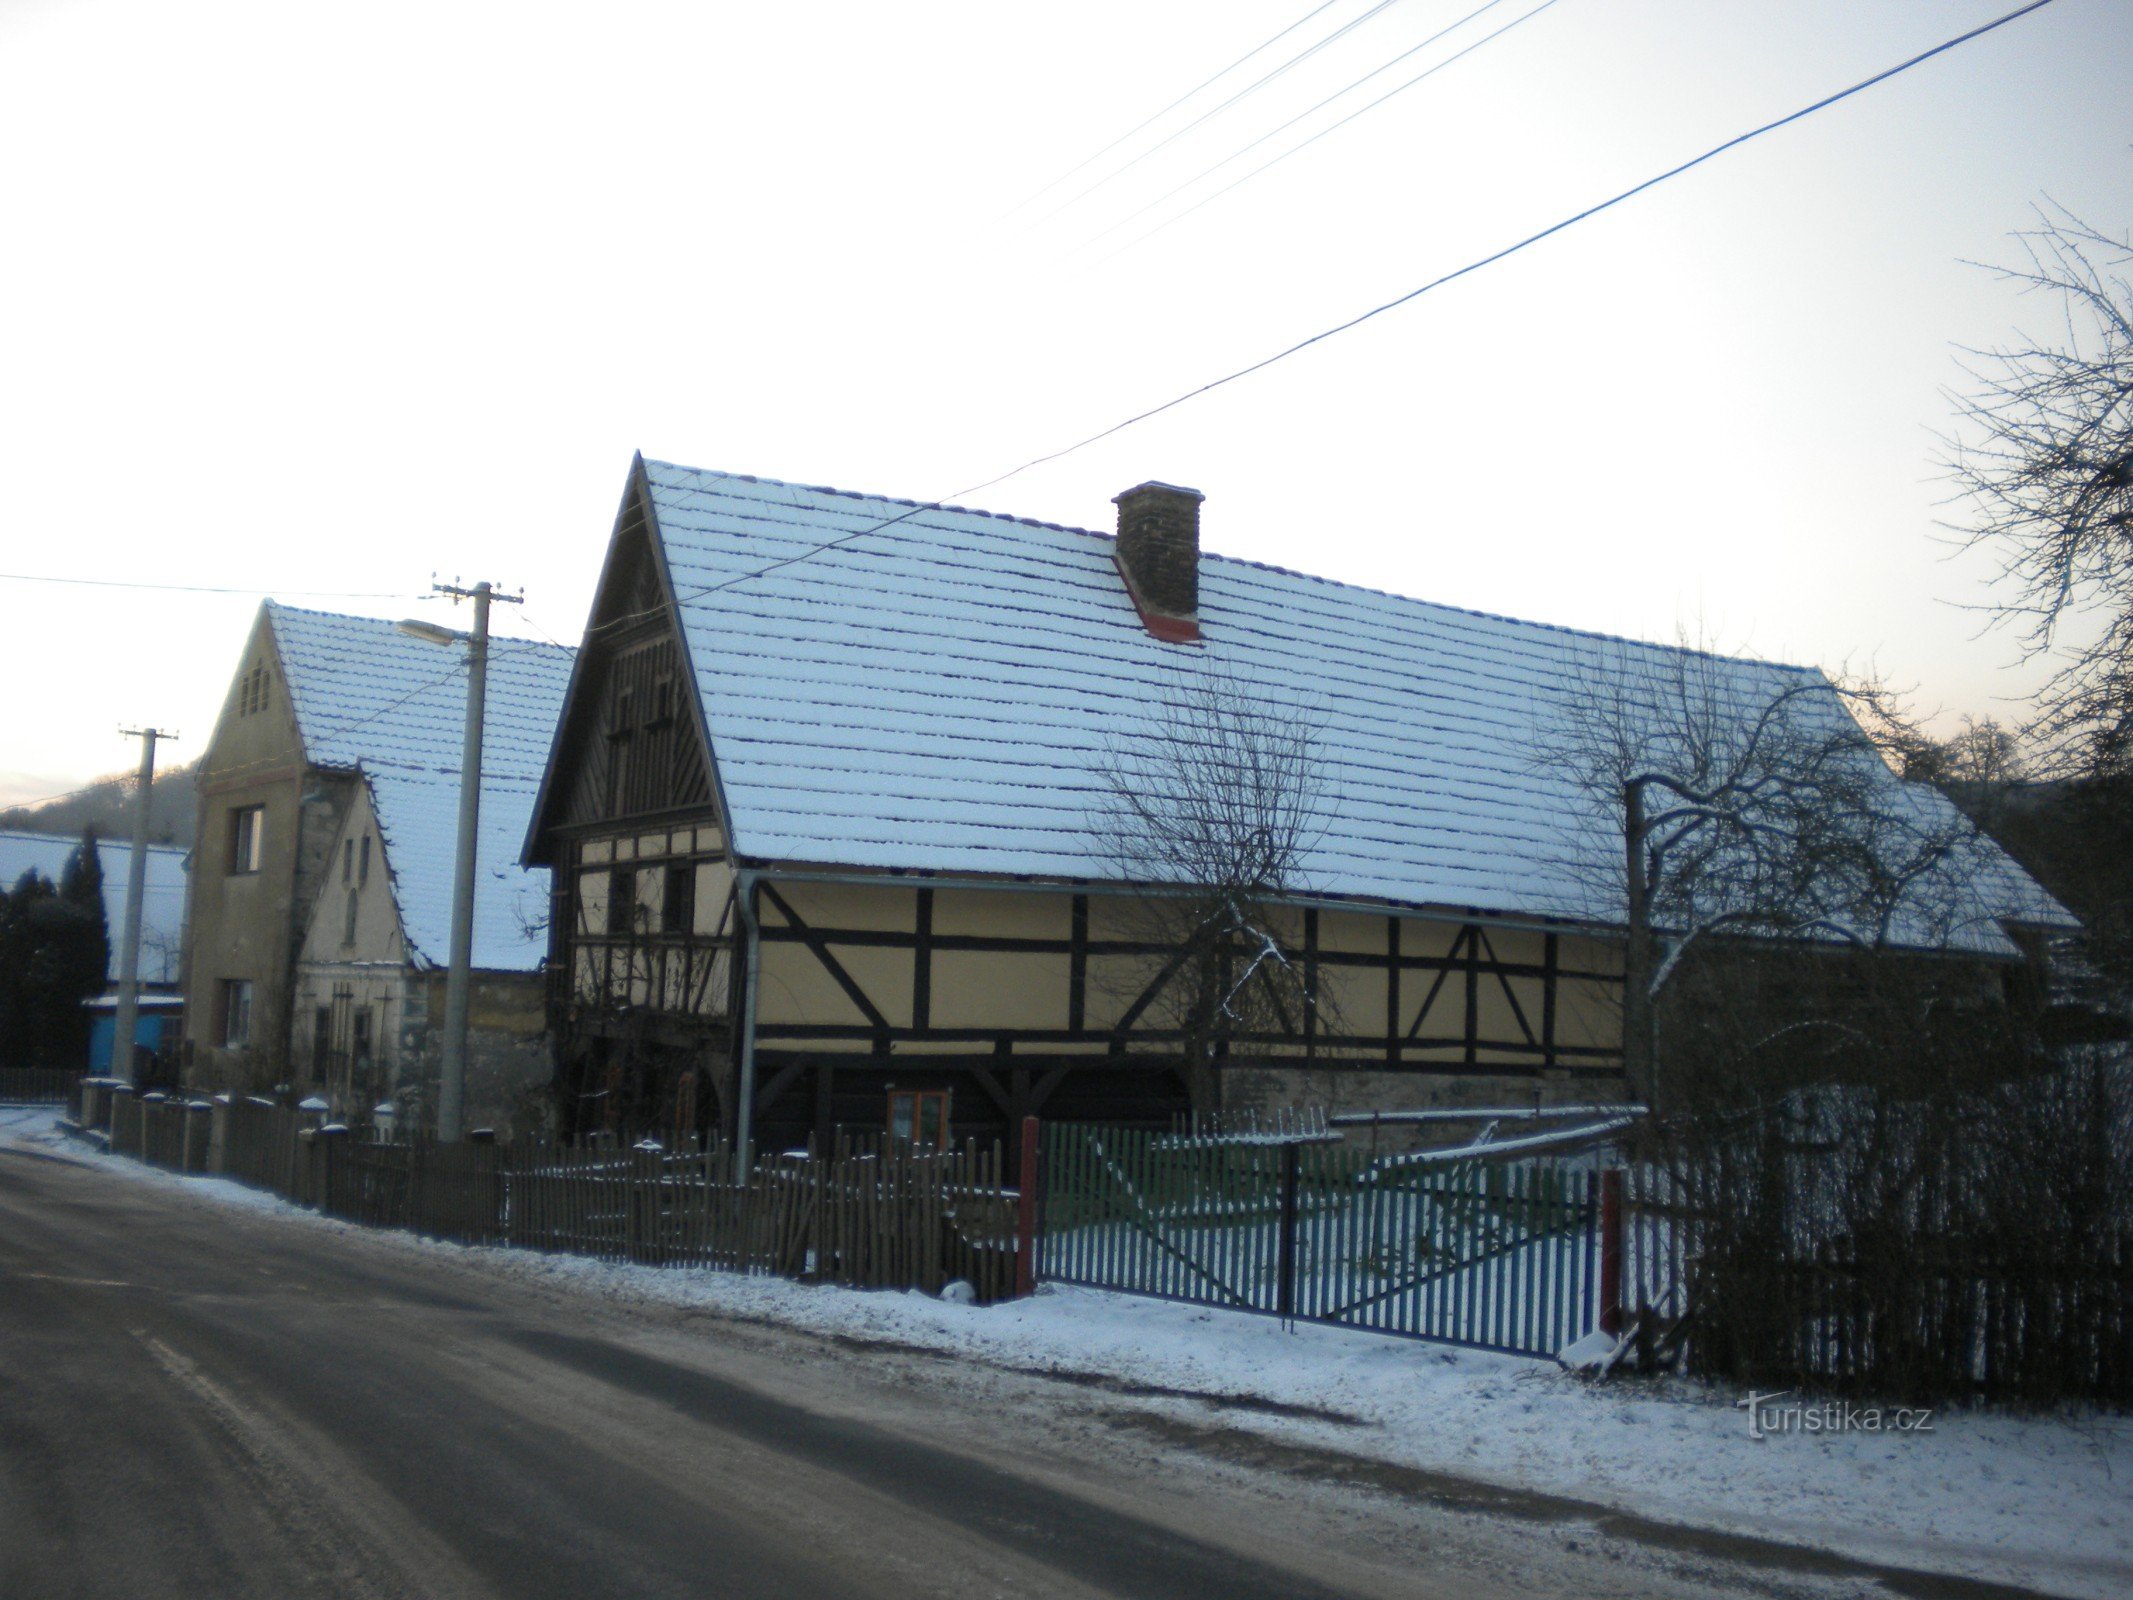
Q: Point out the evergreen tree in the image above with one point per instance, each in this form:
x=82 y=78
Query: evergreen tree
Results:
x=81 y=887
x=25 y=969
x=54 y=952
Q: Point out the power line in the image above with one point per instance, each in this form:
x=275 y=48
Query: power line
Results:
x=1470 y=268
x=1180 y=100
x=208 y=588
x=116 y=780
x=1487 y=5
x=1513 y=249
x=1245 y=93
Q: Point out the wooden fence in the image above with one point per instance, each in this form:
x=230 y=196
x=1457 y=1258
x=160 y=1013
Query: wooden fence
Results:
x=872 y=1213
x=1762 y=1274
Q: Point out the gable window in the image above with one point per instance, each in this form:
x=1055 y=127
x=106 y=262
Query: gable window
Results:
x=621 y=899
x=677 y=913
x=363 y=865
x=348 y=854
x=348 y=927
x=252 y=690
x=236 y=1013
x=618 y=753
x=919 y=1116
x=247 y=830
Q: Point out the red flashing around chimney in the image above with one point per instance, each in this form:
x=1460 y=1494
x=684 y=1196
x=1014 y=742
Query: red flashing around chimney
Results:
x=1171 y=630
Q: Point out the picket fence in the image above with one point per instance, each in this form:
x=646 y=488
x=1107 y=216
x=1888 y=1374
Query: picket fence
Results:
x=871 y=1213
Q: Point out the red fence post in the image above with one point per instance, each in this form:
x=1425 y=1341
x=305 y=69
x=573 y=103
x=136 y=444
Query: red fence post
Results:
x=1611 y=1251
x=1026 y=1213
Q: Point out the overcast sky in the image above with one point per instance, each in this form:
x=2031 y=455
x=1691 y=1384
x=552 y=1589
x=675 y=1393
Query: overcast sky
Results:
x=304 y=298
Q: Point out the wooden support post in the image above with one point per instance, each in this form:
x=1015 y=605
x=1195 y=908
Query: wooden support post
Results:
x=1026 y=1212
x=1611 y=1250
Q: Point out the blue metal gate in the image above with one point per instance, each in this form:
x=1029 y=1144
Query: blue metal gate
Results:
x=1499 y=1255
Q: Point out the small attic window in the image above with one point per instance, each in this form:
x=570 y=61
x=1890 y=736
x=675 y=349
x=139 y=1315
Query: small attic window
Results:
x=660 y=711
x=252 y=690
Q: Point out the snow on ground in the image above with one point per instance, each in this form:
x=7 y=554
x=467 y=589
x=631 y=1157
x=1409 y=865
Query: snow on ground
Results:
x=2036 y=1501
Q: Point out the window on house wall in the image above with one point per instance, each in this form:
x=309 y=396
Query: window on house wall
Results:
x=348 y=847
x=236 y=1013
x=661 y=710
x=618 y=752
x=359 y=1045
x=321 y=1035
x=252 y=690
x=348 y=927
x=247 y=832
x=621 y=899
x=677 y=912
x=363 y=868
x=919 y=1116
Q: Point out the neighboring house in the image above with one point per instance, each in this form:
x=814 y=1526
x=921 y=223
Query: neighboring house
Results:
x=162 y=894
x=825 y=808
x=162 y=929
x=321 y=906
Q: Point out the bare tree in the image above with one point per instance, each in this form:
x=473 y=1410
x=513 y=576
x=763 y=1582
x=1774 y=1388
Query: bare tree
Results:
x=1727 y=798
x=2042 y=462
x=1211 y=805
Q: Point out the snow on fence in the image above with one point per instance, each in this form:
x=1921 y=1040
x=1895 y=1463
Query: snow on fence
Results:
x=1502 y=1254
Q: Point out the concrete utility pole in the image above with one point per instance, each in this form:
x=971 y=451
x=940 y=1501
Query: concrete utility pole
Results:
x=459 y=976
x=129 y=1006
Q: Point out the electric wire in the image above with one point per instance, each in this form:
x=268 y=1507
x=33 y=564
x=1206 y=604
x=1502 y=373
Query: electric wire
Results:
x=210 y=588
x=946 y=502
x=1339 y=94
x=1145 y=122
x=1245 y=93
x=1513 y=249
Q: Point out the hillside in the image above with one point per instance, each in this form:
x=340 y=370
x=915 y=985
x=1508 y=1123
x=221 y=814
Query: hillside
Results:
x=108 y=803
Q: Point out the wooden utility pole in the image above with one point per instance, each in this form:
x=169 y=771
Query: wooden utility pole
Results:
x=129 y=1002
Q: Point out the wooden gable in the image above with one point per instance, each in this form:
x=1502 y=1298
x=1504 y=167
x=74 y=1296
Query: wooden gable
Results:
x=630 y=744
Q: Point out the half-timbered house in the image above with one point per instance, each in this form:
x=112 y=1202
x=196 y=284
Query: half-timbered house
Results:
x=825 y=813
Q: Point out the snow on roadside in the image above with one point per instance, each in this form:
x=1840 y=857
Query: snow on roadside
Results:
x=2035 y=1501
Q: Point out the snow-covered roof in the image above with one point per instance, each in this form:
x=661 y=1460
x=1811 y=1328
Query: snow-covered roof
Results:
x=943 y=690
x=367 y=696
x=162 y=892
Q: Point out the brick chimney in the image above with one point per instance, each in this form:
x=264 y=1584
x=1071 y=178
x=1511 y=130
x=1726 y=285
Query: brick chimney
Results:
x=1158 y=555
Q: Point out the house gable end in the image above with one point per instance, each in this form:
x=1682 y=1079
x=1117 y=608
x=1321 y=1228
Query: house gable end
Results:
x=357 y=868
x=257 y=728
x=630 y=743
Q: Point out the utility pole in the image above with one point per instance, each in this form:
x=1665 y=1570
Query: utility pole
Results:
x=129 y=1006
x=459 y=977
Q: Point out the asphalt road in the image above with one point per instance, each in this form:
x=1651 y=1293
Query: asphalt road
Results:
x=200 y=1400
